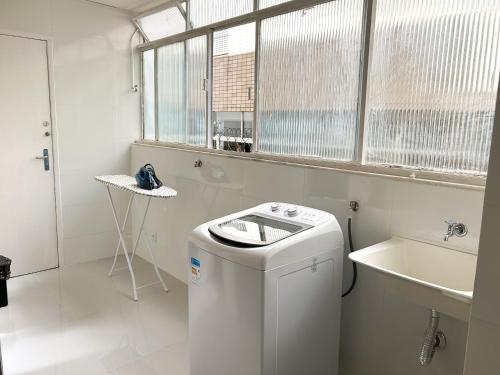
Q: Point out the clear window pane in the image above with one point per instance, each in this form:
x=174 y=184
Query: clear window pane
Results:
x=205 y=12
x=432 y=84
x=148 y=71
x=233 y=88
x=181 y=96
x=162 y=24
x=308 y=81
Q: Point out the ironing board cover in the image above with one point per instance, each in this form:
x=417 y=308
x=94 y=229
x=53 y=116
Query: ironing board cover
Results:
x=128 y=183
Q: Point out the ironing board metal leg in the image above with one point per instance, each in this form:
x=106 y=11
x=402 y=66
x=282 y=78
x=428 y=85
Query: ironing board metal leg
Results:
x=153 y=260
x=141 y=228
x=124 y=246
x=123 y=229
x=148 y=245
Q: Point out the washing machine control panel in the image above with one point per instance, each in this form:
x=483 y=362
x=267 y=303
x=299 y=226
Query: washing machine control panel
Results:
x=295 y=213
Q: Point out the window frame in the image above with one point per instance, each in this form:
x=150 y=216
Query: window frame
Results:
x=355 y=166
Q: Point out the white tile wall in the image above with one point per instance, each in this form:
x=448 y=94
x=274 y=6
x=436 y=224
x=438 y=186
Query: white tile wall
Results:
x=97 y=118
x=268 y=182
x=381 y=334
x=419 y=211
x=487 y=284
x=482 y=348
x=484 y=328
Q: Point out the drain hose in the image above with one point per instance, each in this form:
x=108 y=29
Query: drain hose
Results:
x=354 y=267
x=429 y=345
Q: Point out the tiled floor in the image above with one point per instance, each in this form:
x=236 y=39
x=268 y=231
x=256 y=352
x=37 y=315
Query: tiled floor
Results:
x=77 y=321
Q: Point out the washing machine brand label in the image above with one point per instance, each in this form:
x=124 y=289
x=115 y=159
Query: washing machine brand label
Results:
x=195 y=269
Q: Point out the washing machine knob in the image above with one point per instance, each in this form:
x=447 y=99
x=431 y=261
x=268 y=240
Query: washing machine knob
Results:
x=291 y=211
x=275 y=207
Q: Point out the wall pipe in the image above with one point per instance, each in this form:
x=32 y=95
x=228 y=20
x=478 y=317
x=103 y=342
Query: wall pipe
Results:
x=134 y=87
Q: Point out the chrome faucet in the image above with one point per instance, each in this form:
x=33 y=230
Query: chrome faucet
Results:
x=455 y=229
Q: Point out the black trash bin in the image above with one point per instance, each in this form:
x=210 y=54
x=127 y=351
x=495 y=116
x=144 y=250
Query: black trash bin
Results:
x=4 y=276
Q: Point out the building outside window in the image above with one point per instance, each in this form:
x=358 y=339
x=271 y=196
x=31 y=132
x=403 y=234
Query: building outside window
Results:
x=233 y=88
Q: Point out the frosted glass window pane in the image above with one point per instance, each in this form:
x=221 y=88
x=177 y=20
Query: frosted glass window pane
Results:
x=269 y=3
x=196 y=95
x=432 y=84
x=233 y=88
x=205 y=12
x=162 y=24
x=171 y=96
x=308 y=81
x=148 y=71
x=181 y=96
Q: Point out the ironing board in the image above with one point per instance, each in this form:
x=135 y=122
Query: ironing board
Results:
x=128 y=184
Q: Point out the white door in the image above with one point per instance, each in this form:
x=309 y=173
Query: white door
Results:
x=27 y=201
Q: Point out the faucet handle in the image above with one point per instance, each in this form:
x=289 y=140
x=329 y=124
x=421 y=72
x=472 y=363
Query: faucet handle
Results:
x=455 y=229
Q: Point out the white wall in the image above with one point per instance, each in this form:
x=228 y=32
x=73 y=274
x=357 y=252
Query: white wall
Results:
x=96 y=117
x=381 y=334
x=484 y=329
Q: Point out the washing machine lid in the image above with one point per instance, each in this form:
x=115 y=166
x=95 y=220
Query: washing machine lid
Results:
x=255 y=230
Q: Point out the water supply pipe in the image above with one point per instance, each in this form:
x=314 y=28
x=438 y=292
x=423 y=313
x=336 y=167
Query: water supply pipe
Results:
x=134 y=86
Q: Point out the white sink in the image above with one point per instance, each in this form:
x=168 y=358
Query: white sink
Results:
x=429 y=275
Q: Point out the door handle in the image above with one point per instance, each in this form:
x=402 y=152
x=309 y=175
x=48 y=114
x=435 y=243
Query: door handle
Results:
x=45 y=158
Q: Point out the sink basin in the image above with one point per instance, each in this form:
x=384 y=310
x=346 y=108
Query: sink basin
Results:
x=429 y=275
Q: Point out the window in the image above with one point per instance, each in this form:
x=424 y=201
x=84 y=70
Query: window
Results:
x=270 y=3
x=432 y=84
x=196 y=93
x=171 y=93
x=181 y=94
x=233 y=88
x=204 y=12
x=413 y=87
x=148 y=96
x=309 y=64
x=161 y=24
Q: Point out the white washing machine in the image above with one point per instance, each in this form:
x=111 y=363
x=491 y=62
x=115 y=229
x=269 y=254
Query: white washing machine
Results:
x=265 y=292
